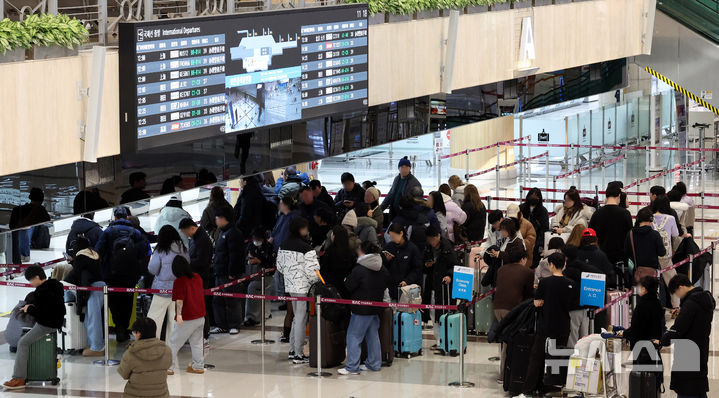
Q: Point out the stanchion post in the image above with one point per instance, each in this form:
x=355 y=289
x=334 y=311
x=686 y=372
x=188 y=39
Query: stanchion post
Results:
x=604 y=174
x=546 y=170
x=461 y=383
x=573 y=162
x=522 y=165
x=529 y=155
x=554 y=188
x=107 y=361
x=439 y=171
x=590 y=314
x=318 y=316
x=262 y=339
x=702 y=198
x=496 y=173
x=624 y=166
x=691 y=268
x=466 y=165
x=711 y=271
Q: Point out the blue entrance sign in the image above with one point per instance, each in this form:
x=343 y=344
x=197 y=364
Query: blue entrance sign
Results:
x=462 y=283
x=592 y=289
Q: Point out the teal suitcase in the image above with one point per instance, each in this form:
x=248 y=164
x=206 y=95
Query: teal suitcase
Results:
x=449 y=333
x=42 y=360
x=483 y=315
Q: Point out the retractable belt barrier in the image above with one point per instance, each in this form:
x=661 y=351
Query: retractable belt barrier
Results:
x=665 y=172
x=504 y=166
x=587 y=168
x=482 y=148
x=614 y=147
x=19 y=268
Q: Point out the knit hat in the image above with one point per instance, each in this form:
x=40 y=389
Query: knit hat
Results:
x=350 y=219
x=374 y=192
x=513 y=211
x=404 y=162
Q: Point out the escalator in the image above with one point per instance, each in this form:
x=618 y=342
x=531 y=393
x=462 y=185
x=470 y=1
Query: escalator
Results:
x=701 y=16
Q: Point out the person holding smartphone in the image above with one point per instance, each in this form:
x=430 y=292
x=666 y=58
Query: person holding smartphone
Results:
x=403 y=260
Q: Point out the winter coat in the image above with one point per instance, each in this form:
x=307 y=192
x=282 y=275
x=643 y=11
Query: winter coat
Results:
x=297 y=262
x=595 y=256
x=443 y=266
x=458 y=195
x=647 y=321
x=476 y=222
x=265 y=253
x=455 y=215
x=104 y=247
x=366 y=229
x=144 y=365
x=356 y=195
x=685 y=212
x=410 y=183
x=367 y=282
x=494 y=238
x=282 y=228
x=581 y=217
x=378 y=217
x=49 y=306
x=249 y=207
x=526 y=229
x=542 y=271
x=201 y=251
x=539 y=217
x=86 y=227
x=170 y=215
x=325 y=197
x=86 y=270
x=510 y=247
x=335 y=267
x=229 y=258
x=648 y=246
x=693 y=323
x=207 y=222
x=406 y=266
x=521 y=319
x=308 y=213
x=161 y=266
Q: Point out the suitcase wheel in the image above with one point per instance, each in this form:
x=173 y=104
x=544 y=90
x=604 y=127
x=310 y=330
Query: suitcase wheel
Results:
x=55 y=381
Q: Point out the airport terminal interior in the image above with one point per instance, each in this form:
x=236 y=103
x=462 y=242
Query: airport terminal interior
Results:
x=417 y=142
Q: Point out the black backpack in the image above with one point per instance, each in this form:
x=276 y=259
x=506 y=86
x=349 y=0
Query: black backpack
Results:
x=40 y=237
x=330 y=311
x=124 y=262
x=418 y=231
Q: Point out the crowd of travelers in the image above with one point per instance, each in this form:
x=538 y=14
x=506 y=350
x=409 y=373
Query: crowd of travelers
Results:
x=368 y=246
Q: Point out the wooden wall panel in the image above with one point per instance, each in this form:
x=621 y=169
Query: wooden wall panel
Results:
x=480 y=134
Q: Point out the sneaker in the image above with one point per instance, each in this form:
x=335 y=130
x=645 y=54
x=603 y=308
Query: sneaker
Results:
x=234 y=331
x=300 y=359
x=284 y=339
x=217 y=330
x=14 y=384
x=91 y=353
x=345 y=372
x=190 y=369
x=170 y=372
x=291 y=355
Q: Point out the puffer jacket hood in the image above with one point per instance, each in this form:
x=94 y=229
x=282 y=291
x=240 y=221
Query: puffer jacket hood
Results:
x=641 y=231
x=161 y=266
x=148 y=349
x=702 y=298
x=89 y=253
x=373 y=262
x=172 y=216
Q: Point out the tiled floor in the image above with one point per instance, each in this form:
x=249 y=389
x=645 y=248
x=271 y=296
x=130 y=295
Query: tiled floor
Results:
x=247 y=370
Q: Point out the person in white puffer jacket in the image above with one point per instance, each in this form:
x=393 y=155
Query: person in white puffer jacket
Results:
x=455 y=215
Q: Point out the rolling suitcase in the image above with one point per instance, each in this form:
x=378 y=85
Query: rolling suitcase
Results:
x=516 y=363
x=385 y=338
x=449 y=333
x=74 y=334
x=643 y=385
x=42 y=360
x=613 y=313
x=483 y=315
x=334 y=342
x=407 y=334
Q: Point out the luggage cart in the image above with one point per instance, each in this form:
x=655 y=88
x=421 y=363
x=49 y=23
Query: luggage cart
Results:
x=609 y=383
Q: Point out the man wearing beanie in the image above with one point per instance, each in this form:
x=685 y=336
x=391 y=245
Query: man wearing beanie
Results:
x=402 y=186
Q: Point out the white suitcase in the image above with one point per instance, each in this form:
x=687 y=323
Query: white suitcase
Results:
x=74 y=334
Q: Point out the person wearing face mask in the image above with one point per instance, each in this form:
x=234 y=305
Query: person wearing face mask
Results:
x=533 y=210
x=403 y=260
x=260 y=256
x=297 y=261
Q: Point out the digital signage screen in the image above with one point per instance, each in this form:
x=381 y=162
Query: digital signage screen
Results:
x=192 y=78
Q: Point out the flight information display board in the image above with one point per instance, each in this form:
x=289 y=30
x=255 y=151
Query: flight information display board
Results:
x=192 y=78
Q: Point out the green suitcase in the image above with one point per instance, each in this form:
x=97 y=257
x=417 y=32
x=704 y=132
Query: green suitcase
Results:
x=42 y=361
x=483 y=315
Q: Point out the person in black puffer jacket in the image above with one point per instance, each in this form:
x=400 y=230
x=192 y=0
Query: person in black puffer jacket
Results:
x=403 y=260
x=440 y=259
x=694 y=323
x=647 y=319
x=367 y=282
x=83 y=226
x=533 y=210
x=476 y=213
x=49 y=313
x=338 y=260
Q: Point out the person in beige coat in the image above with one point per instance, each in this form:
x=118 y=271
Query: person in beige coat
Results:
x=526 y=229
x=145 y=363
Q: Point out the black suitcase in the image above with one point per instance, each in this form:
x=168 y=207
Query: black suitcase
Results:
x=385 y=338
x=334 y=335
x=517 y=362
x=555 y=369
x=643 y=385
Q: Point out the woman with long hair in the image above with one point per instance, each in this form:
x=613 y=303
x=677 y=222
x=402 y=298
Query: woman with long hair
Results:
x=571 y=212
x=337 y=261
x=476 y=213
x=436 y=203
x=575 y=236
x=534 y=211
x=169 y=246
x=217 y=201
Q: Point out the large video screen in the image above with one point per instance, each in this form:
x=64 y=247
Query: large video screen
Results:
x=192 y=78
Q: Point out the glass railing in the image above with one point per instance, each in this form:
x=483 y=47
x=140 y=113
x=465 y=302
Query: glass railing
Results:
x=702 y=16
